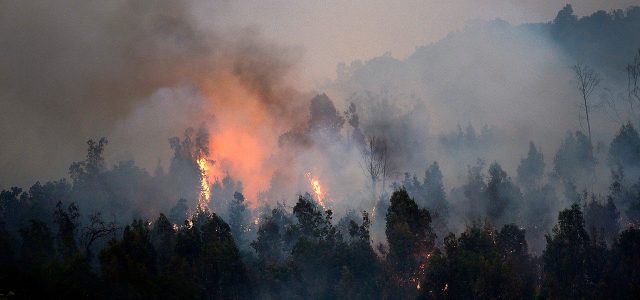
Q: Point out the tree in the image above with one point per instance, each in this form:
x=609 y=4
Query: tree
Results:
x=273 y=246
x=178 y=213
x=411 y=240
x=7 y=260
x=351 y=115
x=624 y=279
x=474 y=191
x=625 y=147
x=87 y=170
x=531 y=169
x=67 y=222
x=568 y=261
x=37 y=245
x=588 y=80
x=223 y=274
x=360 y=273
x=537 y=214
x=602 y=219
x=238 y=219
x=481 y=264
x=501 y=194
x=324 y=117
x=430 y=194
x=436 y=197
x=633 y=79
x=272 y=242
x=96 y=230
x=313 y=223
x=316 y=256
x=129 y=265
x=574 y=157
x=184 y=173
x=375 y=162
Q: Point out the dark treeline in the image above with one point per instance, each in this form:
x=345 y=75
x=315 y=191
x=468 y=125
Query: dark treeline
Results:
x=51 y=245
x=556 y=229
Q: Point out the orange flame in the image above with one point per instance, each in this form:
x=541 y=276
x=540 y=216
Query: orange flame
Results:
x=205 y=192
x=317 y=188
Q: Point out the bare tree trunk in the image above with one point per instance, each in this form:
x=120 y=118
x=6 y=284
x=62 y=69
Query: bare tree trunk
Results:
x=586 y=109
x=588 y=80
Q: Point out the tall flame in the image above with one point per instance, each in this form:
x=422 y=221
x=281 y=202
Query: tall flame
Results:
x=205 y=190
x=317 y=188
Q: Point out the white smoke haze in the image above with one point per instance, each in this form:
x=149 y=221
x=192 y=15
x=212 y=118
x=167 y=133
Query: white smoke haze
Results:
x=141 y=72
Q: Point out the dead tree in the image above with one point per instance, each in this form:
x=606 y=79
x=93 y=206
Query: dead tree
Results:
x=376 y=163
x=386 y=165
x=96 y=230
x=588 y=80
x=371 y=163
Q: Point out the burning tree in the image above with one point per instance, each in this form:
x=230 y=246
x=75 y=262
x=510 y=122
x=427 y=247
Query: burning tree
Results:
x=190 y=165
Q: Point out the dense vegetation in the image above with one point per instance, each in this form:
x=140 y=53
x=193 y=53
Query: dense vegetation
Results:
x=48 y=247
x=549 y=232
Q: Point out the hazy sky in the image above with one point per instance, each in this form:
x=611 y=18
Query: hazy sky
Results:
x=82 y=70
x=333 y=31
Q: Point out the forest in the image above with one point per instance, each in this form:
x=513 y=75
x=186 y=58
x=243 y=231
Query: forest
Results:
x=49 y=247
x=363 y=200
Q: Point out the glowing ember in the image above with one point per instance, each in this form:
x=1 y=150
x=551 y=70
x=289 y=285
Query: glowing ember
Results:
x=205 y=192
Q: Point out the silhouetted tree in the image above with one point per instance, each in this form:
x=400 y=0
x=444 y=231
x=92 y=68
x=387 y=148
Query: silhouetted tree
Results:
x=624 y=150
x=129 y=265
x=501 y=195
x=178 y=213
x=531 y=168
x=624 y=278
x=588 y=80
x=84 y=172
x=411 y=240
x=239 y=219
x=482 y=263
x=67 y=221
x=574 y=157
x=602 y=219
x=568 y=261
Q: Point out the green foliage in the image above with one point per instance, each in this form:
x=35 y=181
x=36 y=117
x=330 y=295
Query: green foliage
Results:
x=569 y=258
x=481 y=264
x=410 y=239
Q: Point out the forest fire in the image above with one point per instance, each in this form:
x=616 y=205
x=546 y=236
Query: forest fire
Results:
x=205 y=190
x=314 y=182
x=241 y=150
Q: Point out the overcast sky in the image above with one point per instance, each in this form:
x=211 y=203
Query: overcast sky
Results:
x=333 y=31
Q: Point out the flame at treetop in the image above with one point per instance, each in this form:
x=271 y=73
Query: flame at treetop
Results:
x=205 y=190
x=314 y=182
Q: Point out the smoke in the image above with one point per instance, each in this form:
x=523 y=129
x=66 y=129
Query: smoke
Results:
x=141 y=72
x=137 y=72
